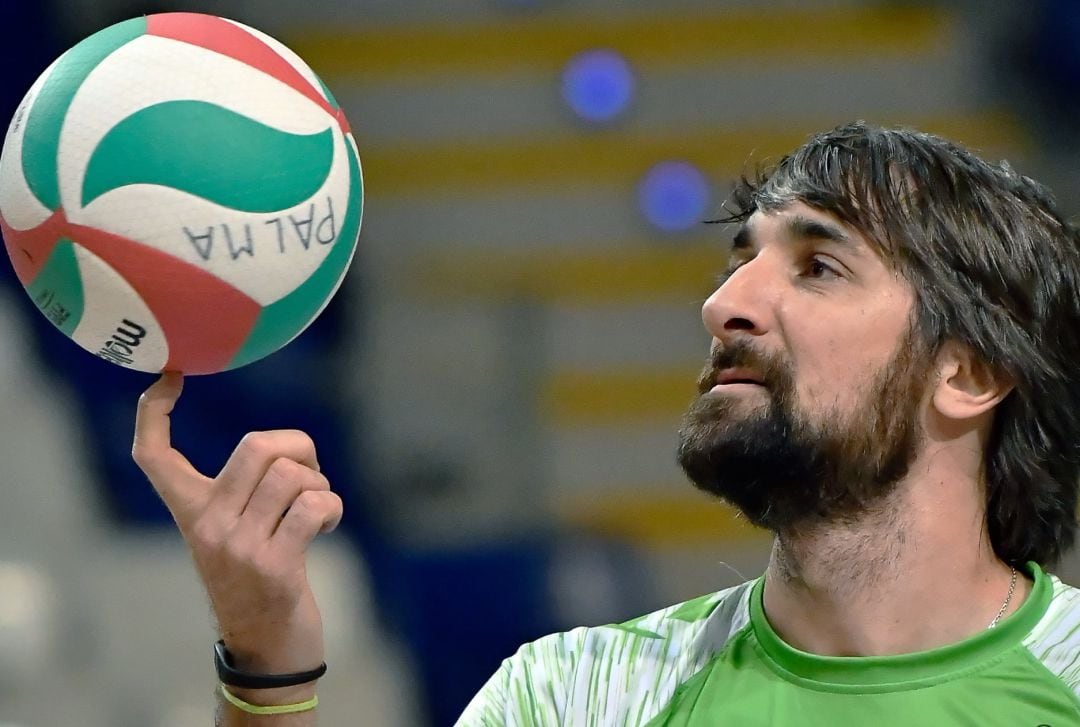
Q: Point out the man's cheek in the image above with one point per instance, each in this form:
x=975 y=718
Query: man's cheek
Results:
x=808 y=396
x=813 y=400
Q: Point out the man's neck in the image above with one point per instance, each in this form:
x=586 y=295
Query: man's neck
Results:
x=896 y=581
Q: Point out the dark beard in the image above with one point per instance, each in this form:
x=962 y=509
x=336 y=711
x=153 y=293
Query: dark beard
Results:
x=782 y=470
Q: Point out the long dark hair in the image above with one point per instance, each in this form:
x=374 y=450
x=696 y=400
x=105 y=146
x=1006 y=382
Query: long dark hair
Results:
x=995 y=267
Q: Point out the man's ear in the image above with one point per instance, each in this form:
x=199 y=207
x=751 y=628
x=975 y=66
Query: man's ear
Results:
x=967 y=386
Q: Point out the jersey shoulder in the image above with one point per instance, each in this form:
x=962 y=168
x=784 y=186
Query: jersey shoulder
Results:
x=623 y=672
x=1055 y=640
x=707 y=621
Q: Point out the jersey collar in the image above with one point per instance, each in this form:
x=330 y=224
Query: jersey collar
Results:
x=862 y=672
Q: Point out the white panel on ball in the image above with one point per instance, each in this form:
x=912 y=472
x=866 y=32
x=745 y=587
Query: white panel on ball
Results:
x=116 y=324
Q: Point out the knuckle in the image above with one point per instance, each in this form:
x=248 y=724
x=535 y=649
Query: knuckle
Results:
x=142 y=454
x=302 y=438
x=334 y=505
x=256 y=444
x=240 y=552
x=320 y=503
x=310 y=480
x=284 y=469
x=285 y=475
x=274 y=480
x=308 y=505
x=276 y=489
x=319 y=482
x=267 y=567
x=205 y=536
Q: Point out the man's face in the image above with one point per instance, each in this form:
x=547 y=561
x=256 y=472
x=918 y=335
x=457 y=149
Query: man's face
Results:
x=809 y=407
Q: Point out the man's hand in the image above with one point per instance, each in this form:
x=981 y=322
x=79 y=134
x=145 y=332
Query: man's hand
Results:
x=248 y=530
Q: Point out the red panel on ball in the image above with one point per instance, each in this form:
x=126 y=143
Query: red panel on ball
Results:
x=221 y=36
x=205 y=320
x=30 y=249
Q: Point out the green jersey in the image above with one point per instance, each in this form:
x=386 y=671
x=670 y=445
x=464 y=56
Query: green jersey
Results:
x=716 y=661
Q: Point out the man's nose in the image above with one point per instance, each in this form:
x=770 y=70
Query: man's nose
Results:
x=743 y=305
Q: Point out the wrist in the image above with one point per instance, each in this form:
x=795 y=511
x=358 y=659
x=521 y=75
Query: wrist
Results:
x=267 y=686
x=236 y=672
x=279 y=643
x=263 y=661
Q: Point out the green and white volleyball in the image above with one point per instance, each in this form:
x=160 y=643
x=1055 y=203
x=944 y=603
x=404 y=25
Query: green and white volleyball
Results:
x=180 y=192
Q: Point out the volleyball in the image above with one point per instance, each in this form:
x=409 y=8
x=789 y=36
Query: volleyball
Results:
x=180 y=192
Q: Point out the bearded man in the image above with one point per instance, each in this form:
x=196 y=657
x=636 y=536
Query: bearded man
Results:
x=893 y=390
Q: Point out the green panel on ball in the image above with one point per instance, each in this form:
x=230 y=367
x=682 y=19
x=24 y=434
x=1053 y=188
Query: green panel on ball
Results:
x=42 y=140
x=57 y=290
x=280 y=321
x=212 y=153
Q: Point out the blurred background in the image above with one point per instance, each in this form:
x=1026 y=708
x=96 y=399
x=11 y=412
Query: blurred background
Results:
x=495 y=389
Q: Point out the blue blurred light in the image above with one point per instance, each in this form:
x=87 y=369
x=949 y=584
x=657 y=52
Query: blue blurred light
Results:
x=598 y=85
x=674 y=196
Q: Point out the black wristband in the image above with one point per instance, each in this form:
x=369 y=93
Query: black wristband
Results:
x=233 y=677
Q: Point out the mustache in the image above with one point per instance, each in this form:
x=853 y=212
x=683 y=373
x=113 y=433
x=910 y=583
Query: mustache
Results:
x=742 y=354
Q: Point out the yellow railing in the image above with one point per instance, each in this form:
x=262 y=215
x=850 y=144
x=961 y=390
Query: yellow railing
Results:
x=546 y=41
x=621 y=157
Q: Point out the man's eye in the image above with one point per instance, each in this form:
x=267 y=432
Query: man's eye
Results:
x=816 y=268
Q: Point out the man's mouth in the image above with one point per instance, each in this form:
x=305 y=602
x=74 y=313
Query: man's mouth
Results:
x=728 y=379
x=739 y=376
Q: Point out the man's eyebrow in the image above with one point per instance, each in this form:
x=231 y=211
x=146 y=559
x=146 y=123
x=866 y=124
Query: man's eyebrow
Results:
x=809 y=229
x=801 y=228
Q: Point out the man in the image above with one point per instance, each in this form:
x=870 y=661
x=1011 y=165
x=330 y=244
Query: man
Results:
x=892 y=390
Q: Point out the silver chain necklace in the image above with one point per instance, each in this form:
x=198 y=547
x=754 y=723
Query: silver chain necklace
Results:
x=1008 y=600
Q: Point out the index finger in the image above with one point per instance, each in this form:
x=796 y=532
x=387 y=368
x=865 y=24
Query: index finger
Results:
x=174 y=478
